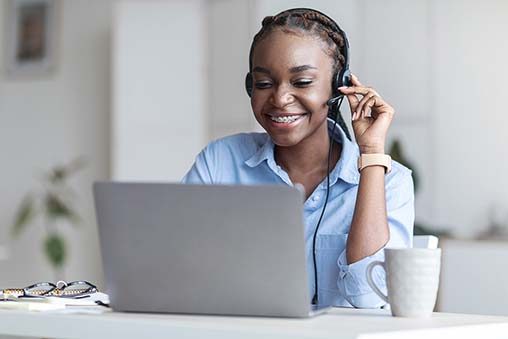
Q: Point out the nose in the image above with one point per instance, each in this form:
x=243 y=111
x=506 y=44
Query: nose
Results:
x=281 y=96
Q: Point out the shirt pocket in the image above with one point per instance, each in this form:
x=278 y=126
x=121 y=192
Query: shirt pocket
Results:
x=328 y=249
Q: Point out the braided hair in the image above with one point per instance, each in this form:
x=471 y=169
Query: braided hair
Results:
x=311 y=22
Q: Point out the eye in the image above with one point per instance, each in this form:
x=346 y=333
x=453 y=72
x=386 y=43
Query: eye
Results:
x=302 y=83
x=263 y=84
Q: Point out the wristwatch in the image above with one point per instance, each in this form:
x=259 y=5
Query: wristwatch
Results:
x=365 y=160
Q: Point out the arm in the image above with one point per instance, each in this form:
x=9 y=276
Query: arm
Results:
x=384 y=210
x=371 y=117
x=369 y=229
x=352 y=280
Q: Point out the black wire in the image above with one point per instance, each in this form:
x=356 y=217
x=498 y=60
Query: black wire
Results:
x=315 y=298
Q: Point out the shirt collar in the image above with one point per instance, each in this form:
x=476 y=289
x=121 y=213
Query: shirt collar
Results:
x=265 y=152
x=345 y=169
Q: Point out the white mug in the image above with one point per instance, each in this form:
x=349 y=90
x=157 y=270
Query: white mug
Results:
x=412 y=280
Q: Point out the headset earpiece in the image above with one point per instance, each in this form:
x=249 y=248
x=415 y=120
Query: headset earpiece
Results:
x=342 y=78
x=248 y=84
x=346 y=78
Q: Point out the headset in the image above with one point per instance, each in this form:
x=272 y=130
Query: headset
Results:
x=339 y=79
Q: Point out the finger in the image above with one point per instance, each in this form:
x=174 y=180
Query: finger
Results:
x=367 y=107
x=367 y=97
x=357 y=90
x=351 y=98
x=380 y=106
x=353 y=103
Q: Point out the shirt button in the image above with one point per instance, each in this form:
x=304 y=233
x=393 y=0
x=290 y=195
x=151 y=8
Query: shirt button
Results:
x=315 y=198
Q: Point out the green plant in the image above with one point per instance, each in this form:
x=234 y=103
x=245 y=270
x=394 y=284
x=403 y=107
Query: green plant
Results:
x=398 y=155
x=54 y=202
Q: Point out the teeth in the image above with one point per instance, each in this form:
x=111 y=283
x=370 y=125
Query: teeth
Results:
x=286 y=119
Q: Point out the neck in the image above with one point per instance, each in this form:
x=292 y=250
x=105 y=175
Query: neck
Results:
x=309 y=156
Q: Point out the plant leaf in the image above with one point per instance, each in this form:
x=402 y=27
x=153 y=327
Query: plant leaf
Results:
x=59 y=174
x=55 y=250
x=398 y=155
x=24 y=215
x=57 y=208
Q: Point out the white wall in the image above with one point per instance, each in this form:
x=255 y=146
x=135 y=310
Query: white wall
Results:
x=51 y=120
x=159 y=88
x=229 y=105
x=469 y=86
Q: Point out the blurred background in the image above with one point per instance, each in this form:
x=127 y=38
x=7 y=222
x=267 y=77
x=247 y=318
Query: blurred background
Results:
x=132 y=90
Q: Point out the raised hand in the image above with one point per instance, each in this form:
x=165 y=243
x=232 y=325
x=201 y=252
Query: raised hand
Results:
x=371 y=116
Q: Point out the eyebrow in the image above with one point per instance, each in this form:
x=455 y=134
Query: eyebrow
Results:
x=296 y=69
x=302 y=68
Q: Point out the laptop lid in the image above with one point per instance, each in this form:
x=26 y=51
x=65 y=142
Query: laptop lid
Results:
x=210 y=249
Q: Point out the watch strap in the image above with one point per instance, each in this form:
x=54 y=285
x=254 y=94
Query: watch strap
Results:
x=376 y=159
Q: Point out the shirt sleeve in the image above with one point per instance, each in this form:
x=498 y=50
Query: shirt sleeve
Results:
x=201 y=171
x=352 y=282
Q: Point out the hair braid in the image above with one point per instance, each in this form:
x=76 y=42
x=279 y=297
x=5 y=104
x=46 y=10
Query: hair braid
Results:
x=305 y=21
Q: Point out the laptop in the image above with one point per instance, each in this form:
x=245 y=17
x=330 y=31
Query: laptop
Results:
x=204 y=249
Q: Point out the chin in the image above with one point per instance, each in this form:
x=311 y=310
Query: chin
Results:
x=285 y=141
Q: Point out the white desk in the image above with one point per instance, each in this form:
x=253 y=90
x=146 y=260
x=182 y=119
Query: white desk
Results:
x=338 y=323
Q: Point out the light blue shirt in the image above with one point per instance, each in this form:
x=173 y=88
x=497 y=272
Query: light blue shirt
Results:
x=248 y=159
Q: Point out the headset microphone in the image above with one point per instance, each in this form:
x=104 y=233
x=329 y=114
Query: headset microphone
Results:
x=332 y=103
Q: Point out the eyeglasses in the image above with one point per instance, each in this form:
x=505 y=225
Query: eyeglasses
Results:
x=74 y=289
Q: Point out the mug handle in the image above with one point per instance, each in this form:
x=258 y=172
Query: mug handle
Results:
x=371 y=281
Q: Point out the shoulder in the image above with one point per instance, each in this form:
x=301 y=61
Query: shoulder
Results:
x=238 y=143
x=240 y=146
x=221 y=159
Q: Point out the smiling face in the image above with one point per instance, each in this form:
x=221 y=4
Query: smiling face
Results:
x=291 y=85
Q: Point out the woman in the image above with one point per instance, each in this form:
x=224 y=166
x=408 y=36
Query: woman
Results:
x=352 y=212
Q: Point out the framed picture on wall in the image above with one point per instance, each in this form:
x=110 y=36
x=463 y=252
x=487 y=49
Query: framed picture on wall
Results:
x=30 y=41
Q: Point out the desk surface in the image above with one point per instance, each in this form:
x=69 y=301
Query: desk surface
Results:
x=338 y=323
